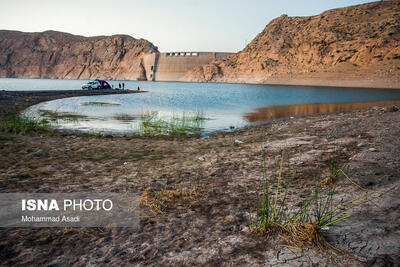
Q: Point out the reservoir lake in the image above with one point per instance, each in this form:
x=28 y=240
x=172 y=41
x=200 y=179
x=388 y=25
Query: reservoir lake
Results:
x=212 y=106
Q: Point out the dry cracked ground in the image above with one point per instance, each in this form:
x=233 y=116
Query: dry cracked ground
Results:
x=212 y=227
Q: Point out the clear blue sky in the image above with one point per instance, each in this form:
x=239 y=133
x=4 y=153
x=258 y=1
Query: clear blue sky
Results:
x=172 y=25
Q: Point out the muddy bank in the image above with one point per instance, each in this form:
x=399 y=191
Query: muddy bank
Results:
x=211 y=229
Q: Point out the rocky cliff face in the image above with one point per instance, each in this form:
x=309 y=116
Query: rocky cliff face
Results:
x=350 y=43
x=53 y=54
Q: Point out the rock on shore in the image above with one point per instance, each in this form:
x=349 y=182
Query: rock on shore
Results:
x=356 y=42
x=54 y=54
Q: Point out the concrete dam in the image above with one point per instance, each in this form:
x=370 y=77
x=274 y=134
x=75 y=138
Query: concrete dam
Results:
x=172 y=66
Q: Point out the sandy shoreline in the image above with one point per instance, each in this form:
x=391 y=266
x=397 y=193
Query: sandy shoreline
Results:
x=213 y=230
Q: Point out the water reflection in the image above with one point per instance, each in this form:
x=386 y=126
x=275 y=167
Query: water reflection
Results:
x=267 y=113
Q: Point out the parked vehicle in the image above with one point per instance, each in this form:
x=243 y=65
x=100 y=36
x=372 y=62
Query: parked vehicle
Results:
x=96 y=84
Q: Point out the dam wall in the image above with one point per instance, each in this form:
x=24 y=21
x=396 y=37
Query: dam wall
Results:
x=172 y=66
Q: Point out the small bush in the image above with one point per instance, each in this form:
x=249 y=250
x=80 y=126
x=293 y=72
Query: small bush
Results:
x=304 y=226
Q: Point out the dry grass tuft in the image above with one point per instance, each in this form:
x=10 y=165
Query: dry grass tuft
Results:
x=273 y=228
x=159 y=201
x=304 y=235
x=329 y=180
x=297 y=234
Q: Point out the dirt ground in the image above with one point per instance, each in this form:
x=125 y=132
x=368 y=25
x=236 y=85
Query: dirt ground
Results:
x=213 y=229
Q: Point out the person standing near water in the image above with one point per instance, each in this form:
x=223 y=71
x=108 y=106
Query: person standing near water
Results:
x=138 y=88
x=119 y=85
x=123 y=86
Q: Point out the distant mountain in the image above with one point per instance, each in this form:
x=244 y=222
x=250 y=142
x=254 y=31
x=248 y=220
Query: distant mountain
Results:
x=54 y=54
x=354 y=43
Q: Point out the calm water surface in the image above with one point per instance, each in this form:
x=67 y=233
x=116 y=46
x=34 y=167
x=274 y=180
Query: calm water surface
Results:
x=224 y=105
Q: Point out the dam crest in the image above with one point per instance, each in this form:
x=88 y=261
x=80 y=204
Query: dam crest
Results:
x=172 y=66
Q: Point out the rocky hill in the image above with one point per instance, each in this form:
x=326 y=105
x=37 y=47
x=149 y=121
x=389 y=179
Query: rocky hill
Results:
x=53 y=54
x=359 y=44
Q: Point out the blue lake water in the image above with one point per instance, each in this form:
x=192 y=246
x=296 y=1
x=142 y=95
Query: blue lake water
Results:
x=224 y=105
